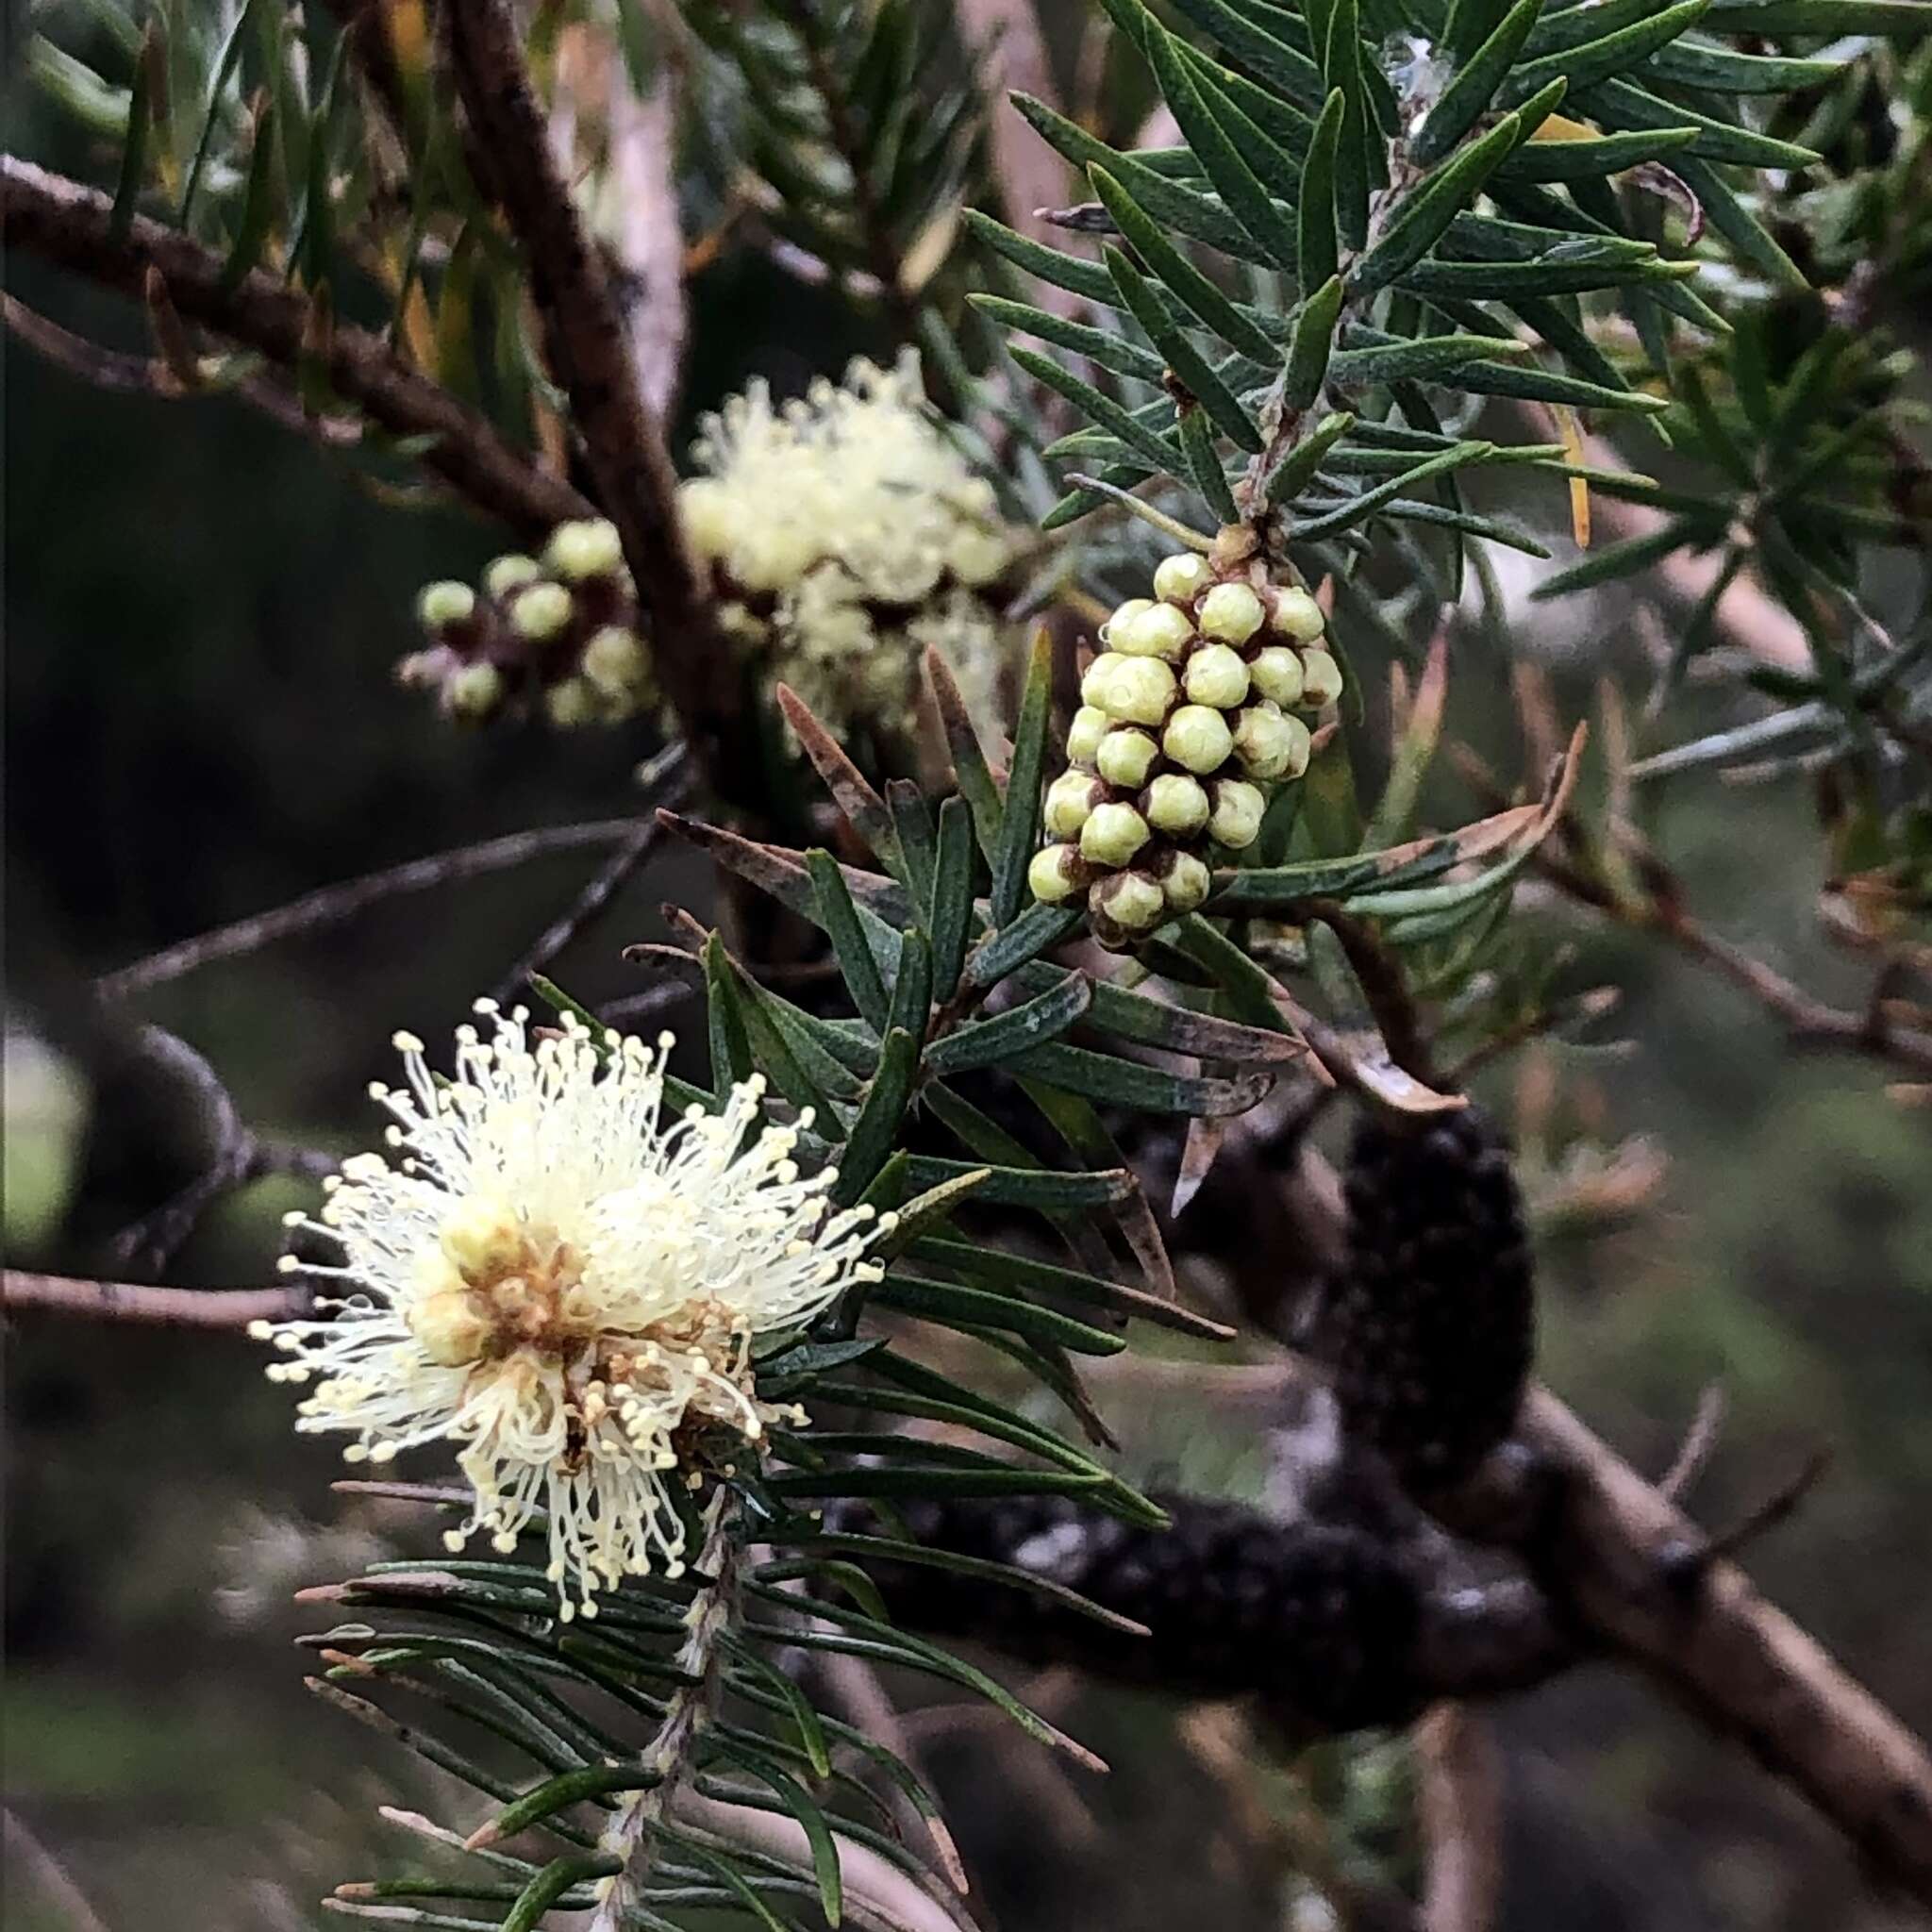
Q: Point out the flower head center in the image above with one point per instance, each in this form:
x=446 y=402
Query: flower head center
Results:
x=496 y=1285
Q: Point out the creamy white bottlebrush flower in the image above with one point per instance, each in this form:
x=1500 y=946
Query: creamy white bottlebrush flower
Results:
x=846 y=533
x=564 y=1284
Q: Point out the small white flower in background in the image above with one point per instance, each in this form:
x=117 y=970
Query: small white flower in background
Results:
x=847 y=533
x=562 y=1283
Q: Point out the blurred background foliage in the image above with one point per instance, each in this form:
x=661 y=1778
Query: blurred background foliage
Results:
x=201 y=620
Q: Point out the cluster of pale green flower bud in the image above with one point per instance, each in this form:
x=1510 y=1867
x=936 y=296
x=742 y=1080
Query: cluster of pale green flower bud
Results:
x=560 y=630
x=1187 y=721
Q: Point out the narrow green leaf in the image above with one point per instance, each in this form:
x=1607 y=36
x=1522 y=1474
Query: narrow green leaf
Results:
x=1728 y=216
x=1163 y=456
x=1723 y=71
x=1426 y=359
x=1024 y=1187
x=1604 y=58
x=1621 y=104
x=1581 y=160
x=1624 y=558
x=1479 y=79
x=1427 y=210
x=1239 y=29
x=1297 y=468
x=1313 y=339
x=876 y=1132
x=1317 y=248
x=1226 y=169
x=1149 y=1089
x=1020 y=826
x=1195 y=291
x=1104 y=348
x=838 y=917
x=257 y=206
x=1202 y=217
x=1185 y=362
x=1014 y=1032
x=1715 y=439
x=1342 y=67
x=945 y=1301
x=140 y=111
x=1204 y=465
x=1004 y=1270
x=1468 y=24
x=1038 y=927
x=951 y=897
x=1347 y=515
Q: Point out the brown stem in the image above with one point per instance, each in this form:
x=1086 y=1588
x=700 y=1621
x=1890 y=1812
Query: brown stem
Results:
x=167 y=1307
x=71 y=225
x=622 y=444
x=1613 y=1557
x=1460 y=1814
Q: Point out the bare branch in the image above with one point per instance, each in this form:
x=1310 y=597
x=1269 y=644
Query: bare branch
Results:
x=168 y=1308
x=62 y=222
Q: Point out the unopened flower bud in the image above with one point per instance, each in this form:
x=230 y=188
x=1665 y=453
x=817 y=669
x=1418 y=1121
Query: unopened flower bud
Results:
x=586 y=547
x=1231 y=612
x=1159 y=631
x=1055 y=874
x=1112 y=834
x=1197 y=738
x=1125 y=757
x=1177 y=805
x=1298 y=614
x=540 y=611
x=1132 y=900
x=571 y=704
x=1124 y=613
x=446 y=603
x=474 y=692
x=1186 y=882
x=1320 y=680
x=1270 y=744
x=615 y=661
x=450 y=1325
x=1090 y=726
x=1215 y=675
x=481 y=1237
x=507 y=573
x=1141 y=692
x=1276 y=671
x=1070 y=799
x=1181 y=578
x=1098 y=678
x=1236 y=820
x=705 y=507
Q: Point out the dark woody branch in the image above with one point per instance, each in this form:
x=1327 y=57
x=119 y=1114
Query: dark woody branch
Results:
x=622 y=442
x=62 y=222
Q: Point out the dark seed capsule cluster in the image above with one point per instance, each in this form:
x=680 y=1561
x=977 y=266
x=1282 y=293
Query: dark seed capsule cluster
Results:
x=1433 y=1328
x=1186 y=719
x=560 y=631
x=1320 y=1618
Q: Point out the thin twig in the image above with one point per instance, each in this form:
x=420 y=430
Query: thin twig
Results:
x=331 y=904
x=1700 y=1439
x=591 y=903
x=591 y=351
x=167 y=1307
x=59 y=220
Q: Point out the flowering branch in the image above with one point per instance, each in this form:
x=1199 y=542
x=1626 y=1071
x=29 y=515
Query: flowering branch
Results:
x=65 y=222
